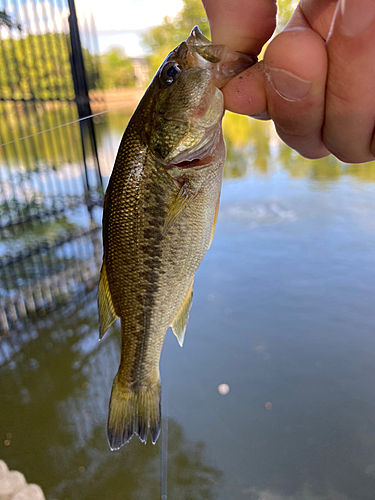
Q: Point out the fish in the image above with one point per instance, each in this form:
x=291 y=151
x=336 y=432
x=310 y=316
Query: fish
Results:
x=159 y=217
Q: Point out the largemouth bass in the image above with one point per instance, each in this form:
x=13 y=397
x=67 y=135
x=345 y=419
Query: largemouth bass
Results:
x=159 y=219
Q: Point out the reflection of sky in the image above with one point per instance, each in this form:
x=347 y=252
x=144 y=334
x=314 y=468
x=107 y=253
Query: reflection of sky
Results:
x=282 y=313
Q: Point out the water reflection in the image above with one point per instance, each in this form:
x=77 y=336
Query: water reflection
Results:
x=54 y=405
x=282 y=315
x=252 y=147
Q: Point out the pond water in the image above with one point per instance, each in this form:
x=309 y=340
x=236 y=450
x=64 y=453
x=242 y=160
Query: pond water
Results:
x=283 y=314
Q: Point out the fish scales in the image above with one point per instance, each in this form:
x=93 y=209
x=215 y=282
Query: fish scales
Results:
x=158 y=222
x=142 y=270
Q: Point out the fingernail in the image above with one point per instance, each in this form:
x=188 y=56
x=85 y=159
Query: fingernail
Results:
x=287 y=85
x=356 y=16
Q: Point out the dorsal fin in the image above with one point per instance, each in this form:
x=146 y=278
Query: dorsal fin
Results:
x=180 y=320
x=107 y=314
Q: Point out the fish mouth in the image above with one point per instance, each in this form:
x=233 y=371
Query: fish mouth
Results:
x=201 y=157
x=222 y=63
x=231 y=64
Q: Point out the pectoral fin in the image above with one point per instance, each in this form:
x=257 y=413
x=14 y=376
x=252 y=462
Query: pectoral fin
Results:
x=107 y=314
x=180 y=320
x=177 y=208
x=215 y=220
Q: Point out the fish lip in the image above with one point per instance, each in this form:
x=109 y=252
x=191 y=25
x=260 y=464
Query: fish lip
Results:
x=232 y=64
x=222 y=63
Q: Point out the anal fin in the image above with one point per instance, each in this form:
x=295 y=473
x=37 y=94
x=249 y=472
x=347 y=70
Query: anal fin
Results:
x=180 y=320
x=107 y=313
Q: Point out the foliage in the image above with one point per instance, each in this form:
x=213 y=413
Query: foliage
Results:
x=32 y=71
x=285 y=9
x=6 y=20
x=116 y=69
x=248 y=148
x=92 y=68
x=37 y=66
x=160 y=40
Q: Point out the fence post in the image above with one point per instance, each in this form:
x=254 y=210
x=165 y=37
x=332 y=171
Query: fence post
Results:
x=82 y=94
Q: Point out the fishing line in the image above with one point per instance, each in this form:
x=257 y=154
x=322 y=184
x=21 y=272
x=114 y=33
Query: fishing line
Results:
x=66 y=124
x=164 y=445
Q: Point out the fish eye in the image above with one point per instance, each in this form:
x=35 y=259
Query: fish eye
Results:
x=170 y=73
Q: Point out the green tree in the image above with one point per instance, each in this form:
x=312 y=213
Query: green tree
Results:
x=116 y=69
x=285 y=9
x=6 y=20
x=36 y=66
x=160 y=40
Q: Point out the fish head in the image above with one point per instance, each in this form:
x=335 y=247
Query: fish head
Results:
x=183 y=122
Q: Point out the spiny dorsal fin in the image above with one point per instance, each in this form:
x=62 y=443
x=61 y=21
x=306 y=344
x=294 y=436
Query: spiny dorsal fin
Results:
x=107 y=314
x=215 y=220
x=184 y=196
x=180 y=320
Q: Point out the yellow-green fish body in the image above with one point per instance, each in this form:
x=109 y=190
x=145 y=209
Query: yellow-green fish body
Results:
x=159 y=218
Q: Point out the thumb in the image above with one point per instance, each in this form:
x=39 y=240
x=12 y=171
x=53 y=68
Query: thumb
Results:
x=242 y=25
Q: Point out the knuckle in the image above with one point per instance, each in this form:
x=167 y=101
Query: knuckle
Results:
x=341 y=152
x=291 y=130
x=309 y=146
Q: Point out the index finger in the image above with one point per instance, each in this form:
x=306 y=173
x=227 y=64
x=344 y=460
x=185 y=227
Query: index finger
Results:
x=242 y=25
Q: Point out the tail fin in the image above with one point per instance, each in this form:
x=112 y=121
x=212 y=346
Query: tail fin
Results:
x=132 y=410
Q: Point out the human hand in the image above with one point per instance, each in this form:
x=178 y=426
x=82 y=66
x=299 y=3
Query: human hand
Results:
x=317 y=79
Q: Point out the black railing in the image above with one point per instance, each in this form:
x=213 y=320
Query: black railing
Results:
x=50 y=178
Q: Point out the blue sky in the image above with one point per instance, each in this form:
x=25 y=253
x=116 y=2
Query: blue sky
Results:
x=120 y=22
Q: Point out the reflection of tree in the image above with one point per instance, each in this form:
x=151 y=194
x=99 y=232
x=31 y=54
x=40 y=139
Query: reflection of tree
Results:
x=53 y=148
x=363 y=171
x=55 y=406
x=248 y=150
x=134 y=472
x=247 y=143
x=32 y=232
x=117 y=121
x=325 y=169
x=45 y=373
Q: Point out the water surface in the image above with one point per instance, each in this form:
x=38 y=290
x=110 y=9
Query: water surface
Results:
x=283 y=313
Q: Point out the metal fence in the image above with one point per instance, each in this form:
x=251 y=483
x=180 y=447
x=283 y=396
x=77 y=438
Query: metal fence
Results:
x=51 y=187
